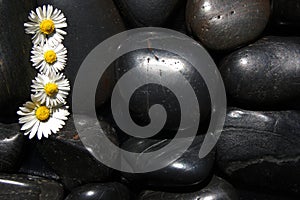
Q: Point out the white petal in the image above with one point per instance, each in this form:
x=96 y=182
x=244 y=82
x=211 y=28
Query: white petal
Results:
x=29 y=124
x=34 y=129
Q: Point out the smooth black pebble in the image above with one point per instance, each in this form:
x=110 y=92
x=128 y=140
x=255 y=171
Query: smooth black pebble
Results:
x=33 y=163
x=217 y=189
x=187 y=171
x=20 y=187
x=100 y=191
x=148 y=13
x=260 y=149
x=11 y=144
x=264 y=75
x=70 y=159
x=146 y=61
x=225 y=25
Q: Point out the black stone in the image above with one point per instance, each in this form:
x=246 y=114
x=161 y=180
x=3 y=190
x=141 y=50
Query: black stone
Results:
x=11 y=143
x=264 y=75
x=286 y=17
x=223 y=25
x=16 y=71
x=104 y=191
x=178 y=21
x=250 y=195
x=147 y=60
x=187 y=171
x=70 y=159
x=34 y=164
x=20 y=187
x=217 y=189
x=89 y=23
x=148 y=13
x=261 y=150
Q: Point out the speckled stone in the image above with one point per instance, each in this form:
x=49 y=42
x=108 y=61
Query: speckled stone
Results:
x=261 y=150
x=16 y=71
x=187 y=171
x=26 y=187
x=223 y=25
x=217 y=189
x=148 y=13
x=264 y=74
x=11 y=144
x=69 y=158
x=100 y=191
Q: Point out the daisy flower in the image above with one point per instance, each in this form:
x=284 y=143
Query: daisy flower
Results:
x=45 y=24
x=51 y=90
x=49 y=59
x=40 y=120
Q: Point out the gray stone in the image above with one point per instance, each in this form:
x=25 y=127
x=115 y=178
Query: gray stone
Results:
x=223 y=25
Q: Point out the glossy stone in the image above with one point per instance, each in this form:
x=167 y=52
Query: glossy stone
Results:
x=71 y=161
x=147 y=60
x=16 y=71
x=187 y=171
x=250 y=195
x=223 y=25
x=89 y=23
x=104 y=191
x=261 y=150
x=148 y=13
x=286 y=16
x=11 y=143
x=264 y=74
x=19 y=187
x=33 y=163
x=217 y=189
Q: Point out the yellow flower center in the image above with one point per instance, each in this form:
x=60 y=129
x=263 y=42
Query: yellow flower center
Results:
x=50 y=56
x=51 y=89
x=42 y=113
x=47 y=26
